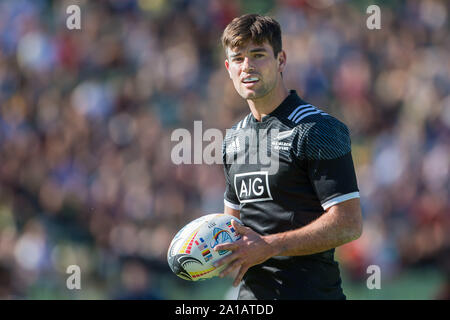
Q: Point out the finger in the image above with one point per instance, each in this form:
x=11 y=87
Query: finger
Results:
x=226 y=246
x=225 y=260
x=240 y=275
x=232 y=266
x=239 y=227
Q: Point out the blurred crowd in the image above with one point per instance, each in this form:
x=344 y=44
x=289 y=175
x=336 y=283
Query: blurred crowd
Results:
x=86 y=118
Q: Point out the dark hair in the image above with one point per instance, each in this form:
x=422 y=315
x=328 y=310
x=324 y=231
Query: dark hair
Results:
x=252 y=27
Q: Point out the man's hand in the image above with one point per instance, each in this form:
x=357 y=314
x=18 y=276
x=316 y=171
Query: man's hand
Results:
x=250 y=250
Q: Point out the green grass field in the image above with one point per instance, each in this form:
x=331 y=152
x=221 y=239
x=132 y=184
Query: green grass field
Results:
x=409 y=285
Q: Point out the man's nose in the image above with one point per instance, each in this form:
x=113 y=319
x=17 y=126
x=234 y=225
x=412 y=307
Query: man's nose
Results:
x=247 y=65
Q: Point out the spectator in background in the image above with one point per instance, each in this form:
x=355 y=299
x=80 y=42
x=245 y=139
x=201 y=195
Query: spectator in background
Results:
x=136 y=282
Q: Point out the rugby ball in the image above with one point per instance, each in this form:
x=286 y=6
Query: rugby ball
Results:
x=191 y=255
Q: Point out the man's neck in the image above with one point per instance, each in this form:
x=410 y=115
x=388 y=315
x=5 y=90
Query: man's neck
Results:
x=265 y=105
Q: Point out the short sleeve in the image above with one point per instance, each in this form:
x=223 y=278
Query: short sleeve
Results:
x=329 y=162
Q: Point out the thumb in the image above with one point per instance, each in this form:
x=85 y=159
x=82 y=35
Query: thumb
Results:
x=239 y=227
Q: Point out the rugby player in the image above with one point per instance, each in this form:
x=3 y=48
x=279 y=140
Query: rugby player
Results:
x=295 y=216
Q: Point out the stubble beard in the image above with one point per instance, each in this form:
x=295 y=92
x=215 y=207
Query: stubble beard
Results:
x=257 y=94
x=254 y=94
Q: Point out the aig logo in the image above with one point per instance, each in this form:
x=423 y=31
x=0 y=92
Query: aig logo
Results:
x=252 y=186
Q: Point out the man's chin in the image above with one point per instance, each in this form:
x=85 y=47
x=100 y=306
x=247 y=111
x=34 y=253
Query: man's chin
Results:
x=250 y=95
x=253 y=96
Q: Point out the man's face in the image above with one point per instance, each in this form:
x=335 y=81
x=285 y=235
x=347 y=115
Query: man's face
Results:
x=254 y=69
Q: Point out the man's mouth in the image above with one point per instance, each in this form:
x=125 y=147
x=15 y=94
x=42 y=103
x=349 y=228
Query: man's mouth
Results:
x=250 y=80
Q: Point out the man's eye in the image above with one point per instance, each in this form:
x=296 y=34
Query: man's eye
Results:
x=258 y=55
x=237 y=59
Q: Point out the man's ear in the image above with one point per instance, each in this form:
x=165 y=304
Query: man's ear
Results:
x=227 y=65
x=281 y=60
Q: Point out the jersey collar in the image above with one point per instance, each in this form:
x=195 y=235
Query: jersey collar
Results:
x=284 y=109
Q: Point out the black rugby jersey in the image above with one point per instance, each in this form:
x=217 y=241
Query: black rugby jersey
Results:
x=282 y=173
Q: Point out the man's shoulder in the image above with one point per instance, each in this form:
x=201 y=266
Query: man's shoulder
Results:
x=325 y=137
x=305 y=116
x=241 y=124
x=229 y=142
x=322 y=123
x=320 y=135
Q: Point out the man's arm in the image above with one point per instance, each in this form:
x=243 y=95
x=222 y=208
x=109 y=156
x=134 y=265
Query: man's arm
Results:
x=340 y=224
x=232 y=212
